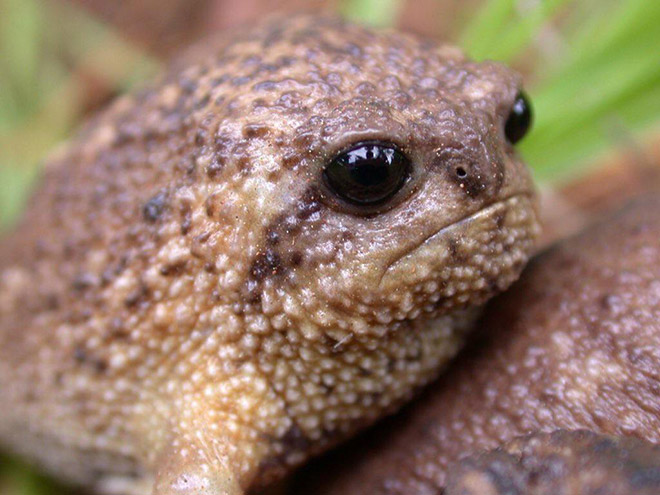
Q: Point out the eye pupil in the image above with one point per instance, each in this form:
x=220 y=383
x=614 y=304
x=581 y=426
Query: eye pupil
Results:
x=367 y=173
x=519 y=120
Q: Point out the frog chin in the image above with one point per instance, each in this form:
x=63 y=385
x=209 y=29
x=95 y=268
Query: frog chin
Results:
x=464 y=261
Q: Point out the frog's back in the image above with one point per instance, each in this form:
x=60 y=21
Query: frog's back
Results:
x=68 y=285
x=108 y=233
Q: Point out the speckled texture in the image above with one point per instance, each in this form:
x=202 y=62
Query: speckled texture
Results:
x=574 y=344
x=186 y=306
x=561 y=463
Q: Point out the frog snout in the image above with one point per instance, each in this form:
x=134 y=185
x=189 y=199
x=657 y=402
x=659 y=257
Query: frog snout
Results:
x=478 y=174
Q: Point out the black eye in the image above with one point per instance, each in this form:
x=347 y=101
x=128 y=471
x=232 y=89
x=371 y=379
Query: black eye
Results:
x=520 y=119
x=367 y=174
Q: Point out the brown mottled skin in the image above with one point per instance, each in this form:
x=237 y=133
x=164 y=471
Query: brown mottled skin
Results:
x=561 y=463
x=574 y=344
x=187 y=308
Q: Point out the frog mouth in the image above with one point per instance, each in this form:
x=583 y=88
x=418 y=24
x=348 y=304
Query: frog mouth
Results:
x=504 y=222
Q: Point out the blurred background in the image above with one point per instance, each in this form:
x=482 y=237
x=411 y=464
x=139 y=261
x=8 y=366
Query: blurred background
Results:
x=592 y=69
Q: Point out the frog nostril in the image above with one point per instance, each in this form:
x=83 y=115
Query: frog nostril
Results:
x=461 y=172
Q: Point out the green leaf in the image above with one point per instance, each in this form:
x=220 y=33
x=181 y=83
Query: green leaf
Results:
x=505 y=28
x=14 y=184
x=597 y=93
x=487 y=23
x=380 y=13
x=20 y=27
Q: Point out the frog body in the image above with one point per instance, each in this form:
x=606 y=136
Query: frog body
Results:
x=202 y=294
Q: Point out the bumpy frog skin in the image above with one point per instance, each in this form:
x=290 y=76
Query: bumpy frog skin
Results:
x=574 y=344
x=187 y=308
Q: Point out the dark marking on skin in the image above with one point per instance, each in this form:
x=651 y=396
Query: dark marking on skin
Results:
x=255 y=130
x=209 y=206
x=266 y=86
x=203 y=102
x=122 y=136
x=187 y=85
x=452 y=246
x=173 y=269
x=81 y=356
x=290 y=160
x=308 y=204
x=327 y=389
x=52 y=302
x=186 y=213
x=237 y=82
x=154 y=208
x=296 y=258
x=191 y=167
x=137 y=296
x=100 y=366
x=272 y=237
x=186 y=224
x=243 y=159
x=117 y=329
x=414 y=357
x=363 y=371
x=215 y=296
x=219 y=80
x=346 y=236
x=214 y=168
x=499 y=219
x=335 y=346
x=266 y=264
x=198 y=242
x=113 y=271
x=608 y=301
x=269 y=262
x=83 y=281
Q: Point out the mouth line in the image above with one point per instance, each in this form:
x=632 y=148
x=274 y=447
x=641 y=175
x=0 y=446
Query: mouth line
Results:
x=444 y=228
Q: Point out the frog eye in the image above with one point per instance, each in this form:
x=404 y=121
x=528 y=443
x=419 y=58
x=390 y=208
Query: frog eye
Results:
x=519 y=120
x=368 y=173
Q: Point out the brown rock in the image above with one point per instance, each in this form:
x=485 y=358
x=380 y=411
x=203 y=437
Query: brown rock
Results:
x=562 y=462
